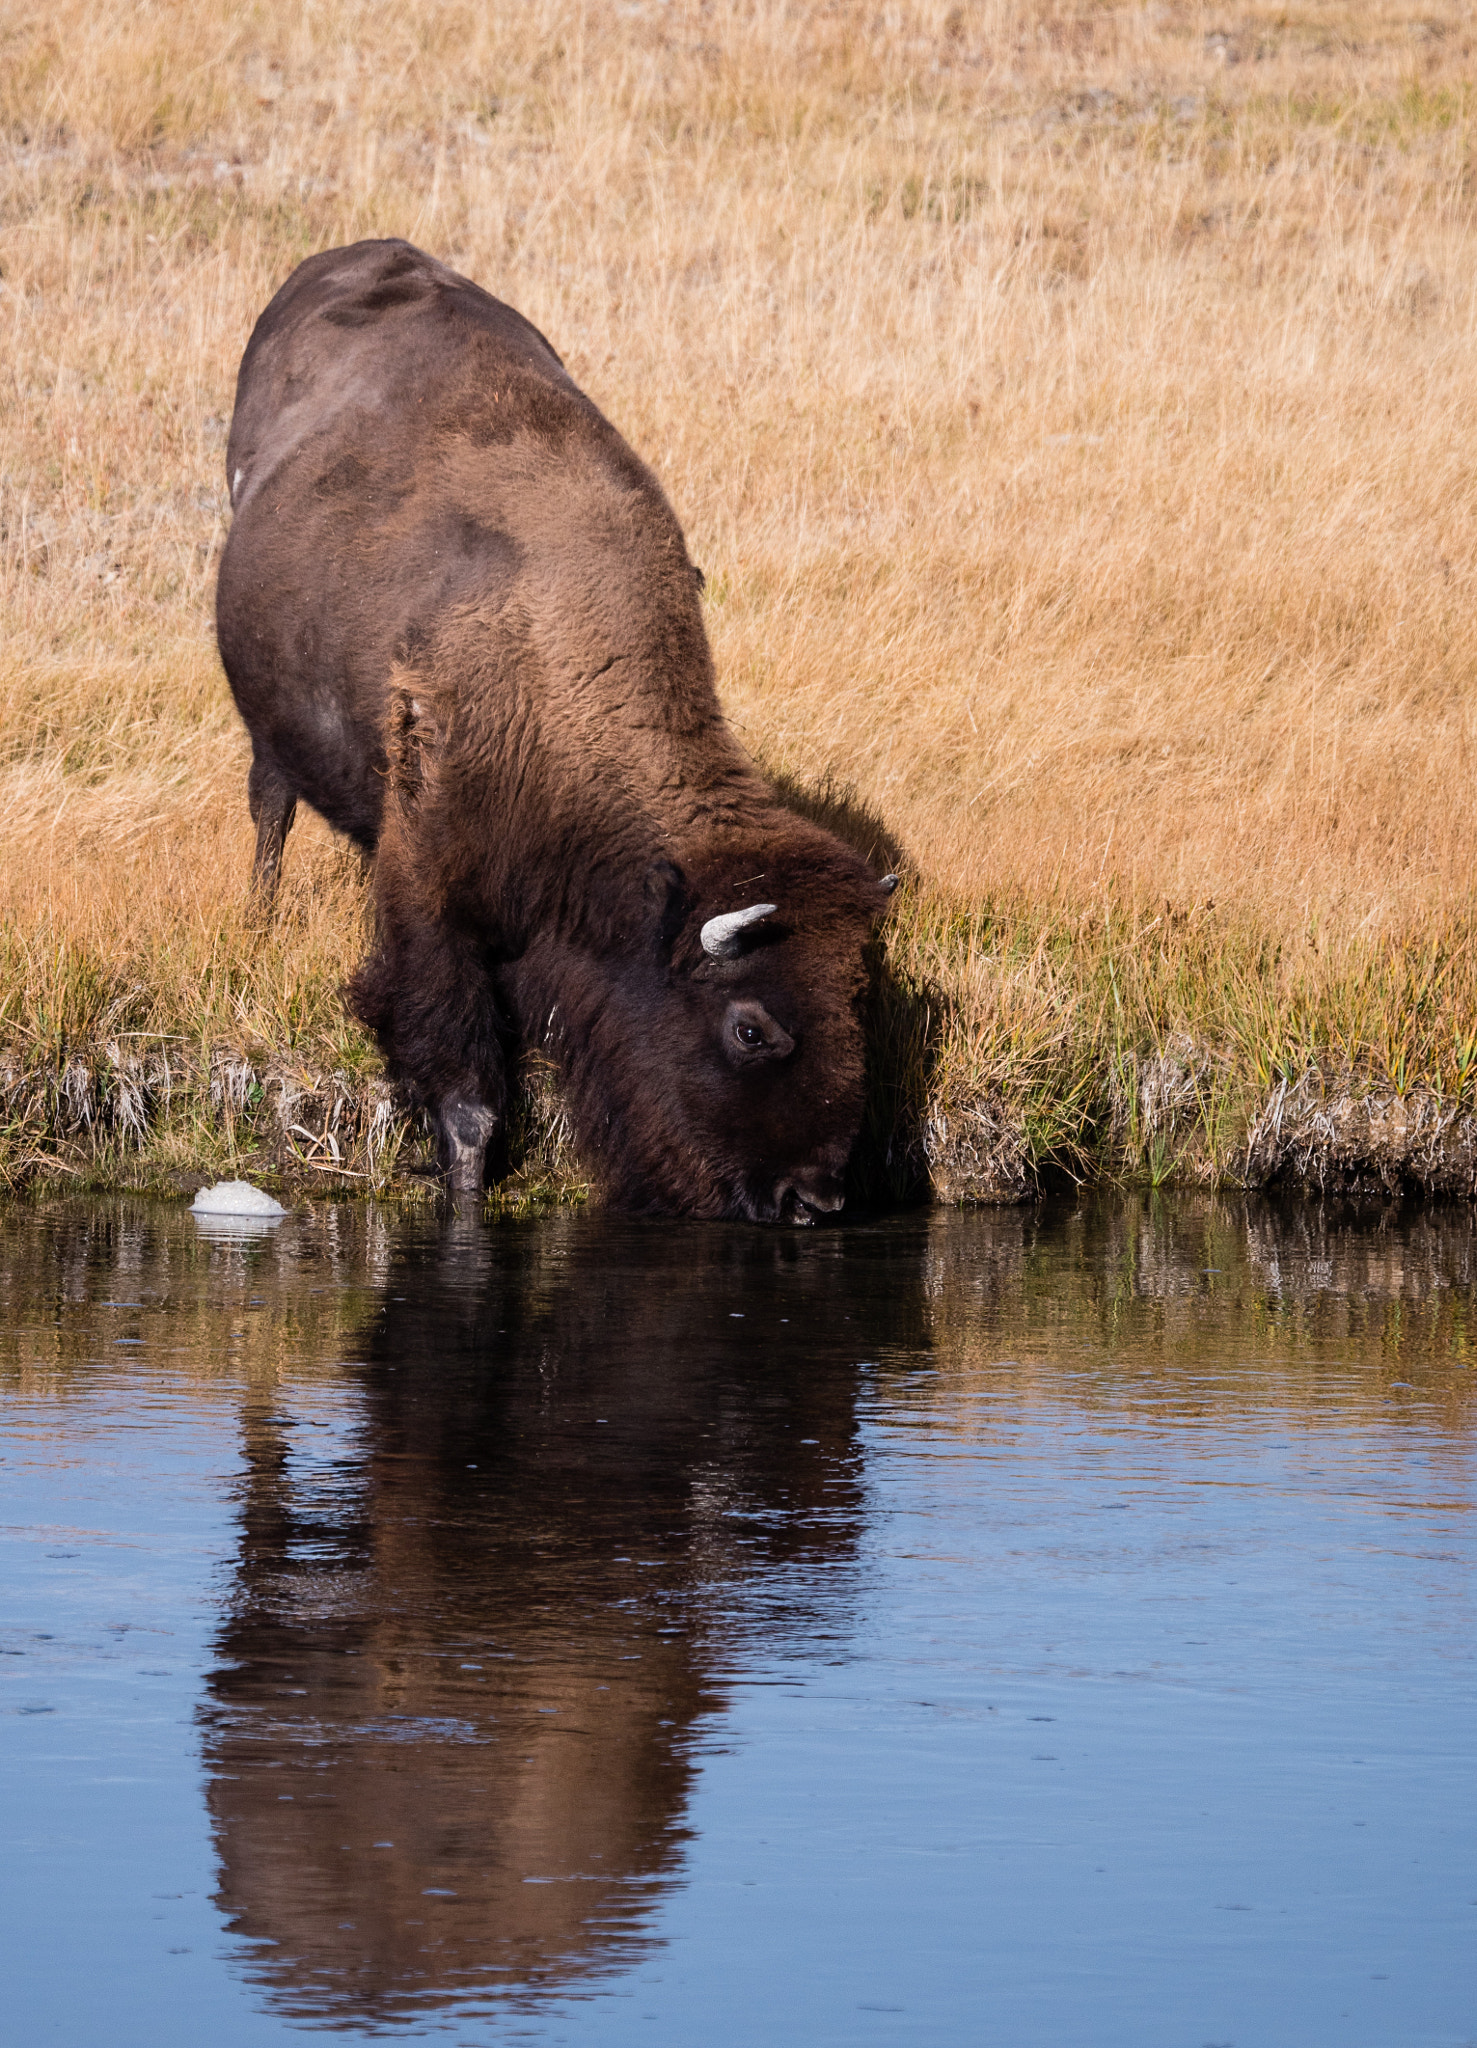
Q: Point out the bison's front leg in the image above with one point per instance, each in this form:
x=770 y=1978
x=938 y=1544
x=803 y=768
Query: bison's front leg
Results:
x=427 y=996
x=464 y=1129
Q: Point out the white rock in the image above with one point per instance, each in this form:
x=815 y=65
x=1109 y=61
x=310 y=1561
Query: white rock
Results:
x=236 y=1198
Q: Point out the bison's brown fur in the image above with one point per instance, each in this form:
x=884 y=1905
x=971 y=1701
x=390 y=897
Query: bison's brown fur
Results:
x=459 y=619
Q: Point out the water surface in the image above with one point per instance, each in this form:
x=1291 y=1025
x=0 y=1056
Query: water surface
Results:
x=1051 y=1626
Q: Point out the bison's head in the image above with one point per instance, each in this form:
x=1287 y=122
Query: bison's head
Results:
x=720 y=1072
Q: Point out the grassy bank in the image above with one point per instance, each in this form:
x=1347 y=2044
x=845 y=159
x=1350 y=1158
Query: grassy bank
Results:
x=1070 y=412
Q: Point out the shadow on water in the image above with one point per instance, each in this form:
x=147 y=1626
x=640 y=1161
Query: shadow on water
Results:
x=465 y=1672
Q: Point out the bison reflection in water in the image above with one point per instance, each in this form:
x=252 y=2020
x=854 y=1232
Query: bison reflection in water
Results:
x=459 y=619
x=461 y=1684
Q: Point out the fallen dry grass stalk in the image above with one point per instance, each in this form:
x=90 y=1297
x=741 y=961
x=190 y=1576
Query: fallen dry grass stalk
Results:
x=1070 y=409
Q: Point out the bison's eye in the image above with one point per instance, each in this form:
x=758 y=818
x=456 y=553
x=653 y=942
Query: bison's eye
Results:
x=750 y=1034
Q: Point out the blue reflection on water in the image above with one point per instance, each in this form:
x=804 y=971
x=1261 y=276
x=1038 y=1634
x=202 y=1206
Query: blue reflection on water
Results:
x=1045 y=1628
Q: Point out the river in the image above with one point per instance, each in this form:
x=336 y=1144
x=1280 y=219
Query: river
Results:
x=1043 y=1626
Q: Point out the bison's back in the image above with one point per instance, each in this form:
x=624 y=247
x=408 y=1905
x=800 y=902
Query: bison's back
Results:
x=375 y=397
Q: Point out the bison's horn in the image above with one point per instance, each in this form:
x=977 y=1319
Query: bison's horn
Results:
x=889 y=883
x=720 y=935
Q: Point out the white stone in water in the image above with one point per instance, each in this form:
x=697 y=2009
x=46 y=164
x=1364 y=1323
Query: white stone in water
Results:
x=236 y=1198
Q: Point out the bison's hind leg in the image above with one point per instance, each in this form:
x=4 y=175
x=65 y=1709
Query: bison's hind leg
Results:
x=273 y=803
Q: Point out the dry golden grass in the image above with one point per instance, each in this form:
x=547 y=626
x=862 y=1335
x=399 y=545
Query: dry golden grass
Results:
x=1070 y=409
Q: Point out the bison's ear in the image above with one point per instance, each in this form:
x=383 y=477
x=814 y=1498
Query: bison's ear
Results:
x=666 y=903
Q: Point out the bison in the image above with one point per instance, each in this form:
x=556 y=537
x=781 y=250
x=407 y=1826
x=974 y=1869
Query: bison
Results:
x=459 y=619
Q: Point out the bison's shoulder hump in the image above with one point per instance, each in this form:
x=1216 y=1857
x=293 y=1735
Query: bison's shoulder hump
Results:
x=377 y=330
x=391 y=302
